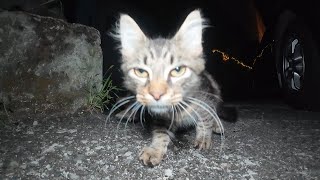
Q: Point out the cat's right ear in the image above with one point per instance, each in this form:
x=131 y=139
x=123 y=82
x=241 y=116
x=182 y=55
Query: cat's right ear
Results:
x=130 y=35
x=189 y=36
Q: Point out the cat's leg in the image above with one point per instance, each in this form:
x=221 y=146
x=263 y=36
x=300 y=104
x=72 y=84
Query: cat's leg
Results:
x=216 y=128
x=153 y=154
x=203 y=134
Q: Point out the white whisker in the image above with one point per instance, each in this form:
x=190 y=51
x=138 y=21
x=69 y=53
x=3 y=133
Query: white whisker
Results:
x=194 y=120
x=209 y=109
x=199 y=118
x=213 y=113
x=134 y=111
x=128 y=109
x=141 y=114
x=178 y=111
x=117 y=106
x=173 y=116
x=217 y=97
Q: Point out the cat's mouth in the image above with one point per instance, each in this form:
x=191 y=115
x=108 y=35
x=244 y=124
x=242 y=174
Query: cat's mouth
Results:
x=161 y=105
x=158 y=108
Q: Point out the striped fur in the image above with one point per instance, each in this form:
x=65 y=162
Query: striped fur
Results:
x=150 y=67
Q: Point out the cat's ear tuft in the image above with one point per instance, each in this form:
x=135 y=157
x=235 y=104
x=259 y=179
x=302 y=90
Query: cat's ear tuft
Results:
x=130 y=35
x=189 y=36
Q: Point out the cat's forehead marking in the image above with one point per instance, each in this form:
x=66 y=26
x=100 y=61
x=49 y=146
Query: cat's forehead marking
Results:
x=151 y=53
x=145 y=60
x=157 y=46
x=171 y=59
x=165 y=54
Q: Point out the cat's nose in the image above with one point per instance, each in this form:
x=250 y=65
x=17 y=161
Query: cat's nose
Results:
x=157 y=88
x=156 y=95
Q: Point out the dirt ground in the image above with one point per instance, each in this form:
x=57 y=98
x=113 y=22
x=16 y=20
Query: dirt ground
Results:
x=269 y=141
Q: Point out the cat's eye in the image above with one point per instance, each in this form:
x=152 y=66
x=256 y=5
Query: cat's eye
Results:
x=178 y=71
x=141 y=72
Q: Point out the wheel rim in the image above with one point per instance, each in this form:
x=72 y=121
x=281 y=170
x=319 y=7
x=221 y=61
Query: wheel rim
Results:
x=293 y=65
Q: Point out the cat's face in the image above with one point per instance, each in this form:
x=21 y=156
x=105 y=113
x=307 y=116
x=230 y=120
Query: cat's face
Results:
x=161 y=71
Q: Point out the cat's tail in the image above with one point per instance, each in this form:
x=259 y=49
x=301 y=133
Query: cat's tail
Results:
x=228 y=113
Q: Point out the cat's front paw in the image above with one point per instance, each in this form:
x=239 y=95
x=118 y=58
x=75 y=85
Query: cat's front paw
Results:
x=203 y=143
x=217 y=129
x=151 y=156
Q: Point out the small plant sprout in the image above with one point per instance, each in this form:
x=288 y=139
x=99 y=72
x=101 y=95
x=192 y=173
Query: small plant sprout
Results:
x=100 y=95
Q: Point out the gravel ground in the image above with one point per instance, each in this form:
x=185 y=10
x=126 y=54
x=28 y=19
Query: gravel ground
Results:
x=269 y=141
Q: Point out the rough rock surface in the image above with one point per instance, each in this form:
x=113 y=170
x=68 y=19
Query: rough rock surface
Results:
x=46 y=64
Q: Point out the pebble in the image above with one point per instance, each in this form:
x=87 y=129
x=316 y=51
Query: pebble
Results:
x=183 y=171
x=35 y=123
x=23 y=166
x=168 y=174
x=13 y=164
x=128 y=154
x=73 y=176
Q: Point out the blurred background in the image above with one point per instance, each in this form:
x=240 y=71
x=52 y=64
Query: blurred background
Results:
x=270 y=47
x=232 y=30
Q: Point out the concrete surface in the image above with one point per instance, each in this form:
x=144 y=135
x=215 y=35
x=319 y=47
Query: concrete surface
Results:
x=270 y=141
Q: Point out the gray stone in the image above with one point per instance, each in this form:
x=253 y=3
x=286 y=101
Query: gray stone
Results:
x=47 y=64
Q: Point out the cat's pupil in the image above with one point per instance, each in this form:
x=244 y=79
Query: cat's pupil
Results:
x=141 y=70
x=177 y=69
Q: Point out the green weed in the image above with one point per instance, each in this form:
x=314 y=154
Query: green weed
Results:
x=100 y=96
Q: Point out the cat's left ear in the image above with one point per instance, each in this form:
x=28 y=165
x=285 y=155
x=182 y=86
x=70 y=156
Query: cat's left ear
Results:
x=130 y=35
x=189 y=36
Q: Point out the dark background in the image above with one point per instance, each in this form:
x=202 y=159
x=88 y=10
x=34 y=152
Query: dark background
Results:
x=232 y=30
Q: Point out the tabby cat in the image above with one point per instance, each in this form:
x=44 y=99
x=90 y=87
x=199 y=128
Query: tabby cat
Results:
x=167 y=78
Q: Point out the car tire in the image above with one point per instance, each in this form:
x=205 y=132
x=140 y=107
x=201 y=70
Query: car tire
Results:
x=298 y=65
